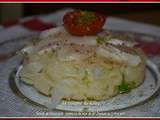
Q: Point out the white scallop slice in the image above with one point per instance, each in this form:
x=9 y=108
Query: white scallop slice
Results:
x=117 y=55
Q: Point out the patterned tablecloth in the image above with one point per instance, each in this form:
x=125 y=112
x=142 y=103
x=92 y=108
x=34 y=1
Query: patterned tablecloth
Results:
x=14 y=37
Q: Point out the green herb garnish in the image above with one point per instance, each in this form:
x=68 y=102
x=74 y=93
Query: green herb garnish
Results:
x=86 y=78
x=125 y=87
x=86 y=17
x=50 y=54
x=100 y=40
x=85 y=75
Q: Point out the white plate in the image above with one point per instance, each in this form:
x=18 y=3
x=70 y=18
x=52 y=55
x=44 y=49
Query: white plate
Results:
x=141 y=94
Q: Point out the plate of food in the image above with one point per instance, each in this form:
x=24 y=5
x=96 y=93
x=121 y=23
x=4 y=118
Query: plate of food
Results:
x=81 y=67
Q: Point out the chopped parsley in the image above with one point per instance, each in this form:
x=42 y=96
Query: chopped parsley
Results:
x=86 y=79
x=85 y=75
x=86 y=17
x=125 y=87
x=100 y=40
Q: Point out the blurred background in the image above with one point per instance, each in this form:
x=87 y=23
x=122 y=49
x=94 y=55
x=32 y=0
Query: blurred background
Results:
x=147 y=13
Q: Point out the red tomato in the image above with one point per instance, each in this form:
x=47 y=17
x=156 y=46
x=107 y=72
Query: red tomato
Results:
x=83 y=23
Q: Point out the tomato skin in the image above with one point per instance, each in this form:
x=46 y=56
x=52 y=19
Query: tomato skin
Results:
x=74 y=28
